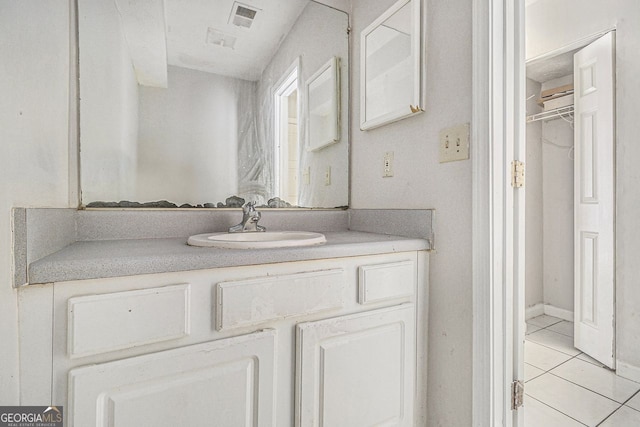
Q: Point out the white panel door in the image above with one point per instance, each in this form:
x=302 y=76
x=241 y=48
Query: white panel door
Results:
x=594 y=193
x=230 y=382
x=357 y=370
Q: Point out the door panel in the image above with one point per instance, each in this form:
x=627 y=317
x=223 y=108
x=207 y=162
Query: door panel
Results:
x=594 y=193
x=357 y=370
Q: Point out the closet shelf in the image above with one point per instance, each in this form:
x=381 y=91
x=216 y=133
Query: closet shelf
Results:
x=562 y=112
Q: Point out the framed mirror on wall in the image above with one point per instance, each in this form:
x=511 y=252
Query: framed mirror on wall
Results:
x=392 y=65
x=177 y=105
x=323 y=106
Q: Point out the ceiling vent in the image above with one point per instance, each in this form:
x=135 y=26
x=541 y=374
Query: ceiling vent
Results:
x=219 y=38
x=242 y=15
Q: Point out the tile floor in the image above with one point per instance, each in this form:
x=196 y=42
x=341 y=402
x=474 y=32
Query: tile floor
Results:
x=565 y=387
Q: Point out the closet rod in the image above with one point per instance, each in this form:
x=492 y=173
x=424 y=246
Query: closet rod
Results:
x=552 y=114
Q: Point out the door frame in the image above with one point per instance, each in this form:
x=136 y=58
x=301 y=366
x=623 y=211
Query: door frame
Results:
x=498 y=209
x=498 y=212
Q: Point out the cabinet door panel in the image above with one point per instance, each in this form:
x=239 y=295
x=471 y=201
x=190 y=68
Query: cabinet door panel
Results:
x=226 y=382
x=357 y=370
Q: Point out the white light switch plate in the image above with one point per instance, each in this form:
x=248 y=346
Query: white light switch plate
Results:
x=454 y=143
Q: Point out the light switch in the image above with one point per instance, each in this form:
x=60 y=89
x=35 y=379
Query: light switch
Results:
x=454 y=143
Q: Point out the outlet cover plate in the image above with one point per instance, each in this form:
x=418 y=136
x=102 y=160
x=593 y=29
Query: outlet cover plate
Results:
x=454 y=143
x=306 y=175
x=387 y=166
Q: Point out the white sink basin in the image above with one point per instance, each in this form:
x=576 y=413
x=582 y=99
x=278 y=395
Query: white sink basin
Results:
x=257 y=240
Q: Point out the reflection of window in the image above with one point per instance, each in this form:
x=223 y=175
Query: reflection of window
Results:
x=286 y=164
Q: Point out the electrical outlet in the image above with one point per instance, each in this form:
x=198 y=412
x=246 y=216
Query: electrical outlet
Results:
x=327 y=176
x=387 y=168
x=306 y=175
x=454 y=143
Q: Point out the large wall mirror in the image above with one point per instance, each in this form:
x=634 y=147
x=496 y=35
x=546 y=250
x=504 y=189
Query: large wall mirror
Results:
x=182 y=100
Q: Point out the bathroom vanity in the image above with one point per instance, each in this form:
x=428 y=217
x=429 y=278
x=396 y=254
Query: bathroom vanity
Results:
x=330 y=335
x=123 y=324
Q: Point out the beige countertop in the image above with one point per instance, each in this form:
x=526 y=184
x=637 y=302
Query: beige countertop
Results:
x=114 y=258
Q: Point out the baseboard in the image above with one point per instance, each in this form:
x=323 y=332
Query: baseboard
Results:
x=627 y=371
x=560 y=313
x=548 y=309
x=534 y=311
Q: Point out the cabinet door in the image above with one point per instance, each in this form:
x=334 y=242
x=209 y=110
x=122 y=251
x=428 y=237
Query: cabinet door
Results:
x=228 y=382
x=357 y=370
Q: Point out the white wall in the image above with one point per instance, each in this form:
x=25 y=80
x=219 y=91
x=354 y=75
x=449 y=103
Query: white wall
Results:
x=533 y=211
x=549 y=210
x=557 y=212
x=109 y=103
x=34 y=139
x=317 y=52
x=421 y=182
x=557 y=23
x=188 y=137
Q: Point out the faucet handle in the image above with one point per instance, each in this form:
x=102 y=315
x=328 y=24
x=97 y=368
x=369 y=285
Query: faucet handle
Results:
x=249 y=207
x=250 y=218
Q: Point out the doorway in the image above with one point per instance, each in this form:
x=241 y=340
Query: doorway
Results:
x=286 y=152
x=571 y=211
x=498 y=128
x=570 y=252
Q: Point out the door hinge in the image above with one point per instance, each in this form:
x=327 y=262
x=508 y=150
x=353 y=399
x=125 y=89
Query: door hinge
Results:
x=517 y=394
x=517 y=174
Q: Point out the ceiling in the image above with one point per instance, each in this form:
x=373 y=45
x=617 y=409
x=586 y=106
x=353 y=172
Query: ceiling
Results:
x=543 y=70
x=187 y=23
x=175 y=32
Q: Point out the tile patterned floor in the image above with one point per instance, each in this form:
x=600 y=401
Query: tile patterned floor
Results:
x=565 y=387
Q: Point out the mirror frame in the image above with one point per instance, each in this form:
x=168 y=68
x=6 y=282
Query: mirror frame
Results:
x=332 y=67
x=416 y=104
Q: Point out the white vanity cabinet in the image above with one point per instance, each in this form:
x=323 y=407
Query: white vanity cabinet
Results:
x=357 y=370
x=332 y=342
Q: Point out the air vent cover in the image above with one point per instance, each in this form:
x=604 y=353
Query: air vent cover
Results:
x=220 y=39
x=242 y=15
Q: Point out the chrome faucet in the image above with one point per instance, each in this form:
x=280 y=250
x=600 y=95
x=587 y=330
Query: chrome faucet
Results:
x=250 y=218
